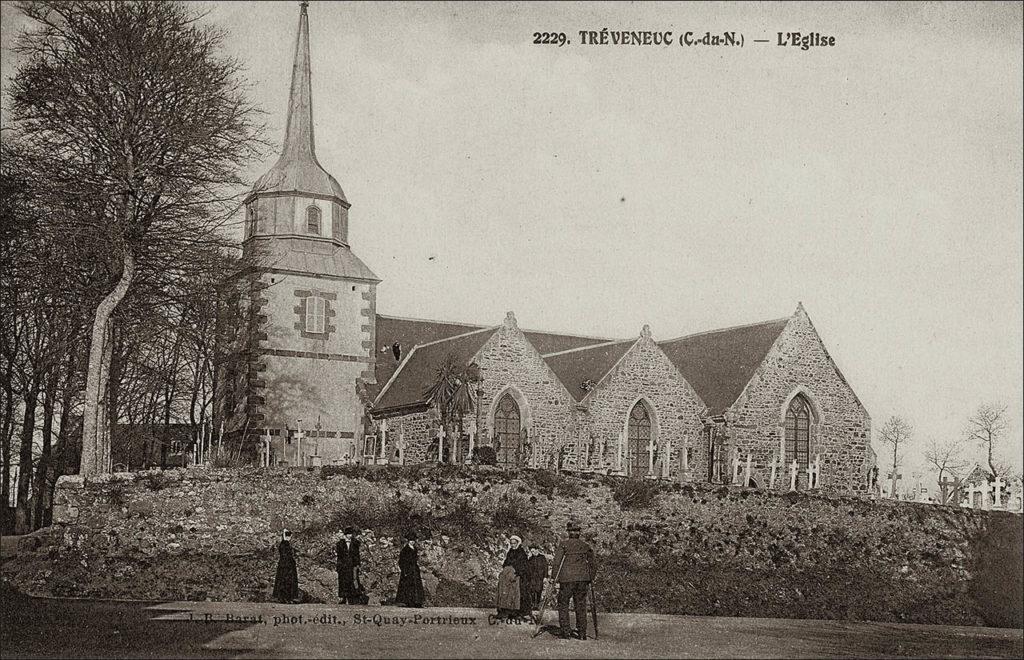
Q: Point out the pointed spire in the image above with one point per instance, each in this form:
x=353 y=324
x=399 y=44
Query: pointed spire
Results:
x=297 y=170
x=298 y=136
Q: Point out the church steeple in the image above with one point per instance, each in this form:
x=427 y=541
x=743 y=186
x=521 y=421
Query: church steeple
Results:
x=298 y=135
x=297 y=170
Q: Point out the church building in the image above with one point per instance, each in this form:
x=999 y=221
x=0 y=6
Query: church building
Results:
x=332 y=381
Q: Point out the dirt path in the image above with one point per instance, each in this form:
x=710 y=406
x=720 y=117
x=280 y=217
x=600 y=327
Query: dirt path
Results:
x=40 y=627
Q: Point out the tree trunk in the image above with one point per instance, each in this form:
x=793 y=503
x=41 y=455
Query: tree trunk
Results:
x=62 y=451
x=895 y=447
x=43 y=468
x=6 y=435
x=22 y=520
x=95 y=454
x=113 y=374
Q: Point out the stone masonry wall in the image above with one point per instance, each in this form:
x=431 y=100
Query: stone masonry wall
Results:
x=646 y=373
x=840 y=432
x=509 y=363
x=198 y=534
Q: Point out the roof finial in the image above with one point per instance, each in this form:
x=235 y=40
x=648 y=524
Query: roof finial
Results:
x=645 y=331
x=304 y=5
x=510 y=320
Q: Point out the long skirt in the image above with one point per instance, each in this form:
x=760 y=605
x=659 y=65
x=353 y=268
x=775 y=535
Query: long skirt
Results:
x=410 y=588
x=509 y=593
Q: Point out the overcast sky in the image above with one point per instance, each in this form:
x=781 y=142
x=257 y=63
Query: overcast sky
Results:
x=593 y=189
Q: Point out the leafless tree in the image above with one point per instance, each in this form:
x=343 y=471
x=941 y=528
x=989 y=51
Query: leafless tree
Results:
x=946 y=457
x=986 y=428
x=149 y=128
x=896 y=433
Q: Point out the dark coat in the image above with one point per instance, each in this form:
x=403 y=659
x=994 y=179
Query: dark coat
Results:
x=286 y=582
x=347 y=565
x=536 y=571
x=410 y=584
x=517 y=559
x=576 y=559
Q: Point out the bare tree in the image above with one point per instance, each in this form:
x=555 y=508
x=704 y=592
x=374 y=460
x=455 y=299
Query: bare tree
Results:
x=150 y=129
x=946 y=457
x=986 y=428
x=896 y=433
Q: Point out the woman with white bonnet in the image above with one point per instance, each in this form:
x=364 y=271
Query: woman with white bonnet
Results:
x=513 y=587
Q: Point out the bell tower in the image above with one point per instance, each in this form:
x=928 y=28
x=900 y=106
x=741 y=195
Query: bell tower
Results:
x=314 y=300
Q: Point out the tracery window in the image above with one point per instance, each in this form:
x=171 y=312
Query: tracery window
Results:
x=639 y=435
x=508 y=431
x=798 y=432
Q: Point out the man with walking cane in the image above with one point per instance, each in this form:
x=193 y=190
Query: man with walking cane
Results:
x=575 y=572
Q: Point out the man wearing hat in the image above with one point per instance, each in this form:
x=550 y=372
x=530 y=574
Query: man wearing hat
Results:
x=347 y=551
x=574 y=571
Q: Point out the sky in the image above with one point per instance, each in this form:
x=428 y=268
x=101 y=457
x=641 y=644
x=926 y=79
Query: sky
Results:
x=594 y=189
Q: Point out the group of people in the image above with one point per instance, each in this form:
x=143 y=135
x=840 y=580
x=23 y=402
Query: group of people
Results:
x=520 y=583
x=347 y=562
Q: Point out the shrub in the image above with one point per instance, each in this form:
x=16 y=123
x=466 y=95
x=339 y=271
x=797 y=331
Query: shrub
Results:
x=546 y=479
x=226 y=460
x=116 y=496
x=635 y=493
x=570 y=487
x=485 y=455
x=155 y=481
x=513 y=512
x=349 y=471
x=463 y=519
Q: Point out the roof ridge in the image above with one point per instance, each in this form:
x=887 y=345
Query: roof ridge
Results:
x=585 y=348
x=568 y=334
x=480 y=325
x=464 y=334
x=413 y=318
x=732 y=327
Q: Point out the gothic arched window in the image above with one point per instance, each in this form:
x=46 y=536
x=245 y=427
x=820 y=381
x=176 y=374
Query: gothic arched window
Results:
x=508 y=431
x=639 y=434
x=313 y=220
x=798 y=432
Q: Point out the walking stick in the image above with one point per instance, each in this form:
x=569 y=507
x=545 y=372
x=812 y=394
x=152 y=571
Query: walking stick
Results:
x=545 y=601
x=593 y=607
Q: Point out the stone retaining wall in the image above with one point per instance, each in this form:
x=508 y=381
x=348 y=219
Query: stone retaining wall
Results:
x=210 y=534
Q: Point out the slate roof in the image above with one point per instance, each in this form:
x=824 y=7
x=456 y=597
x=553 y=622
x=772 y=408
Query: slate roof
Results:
x=408 y=333
x=591 y=363
x=547 y=342
x=304 y=255
x=418 y=371
x=720 y=363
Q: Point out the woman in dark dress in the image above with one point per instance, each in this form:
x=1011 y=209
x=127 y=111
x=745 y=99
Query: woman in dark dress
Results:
x=347 y=551
x=286 y=582
x=517 y=559
x=410 y=585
